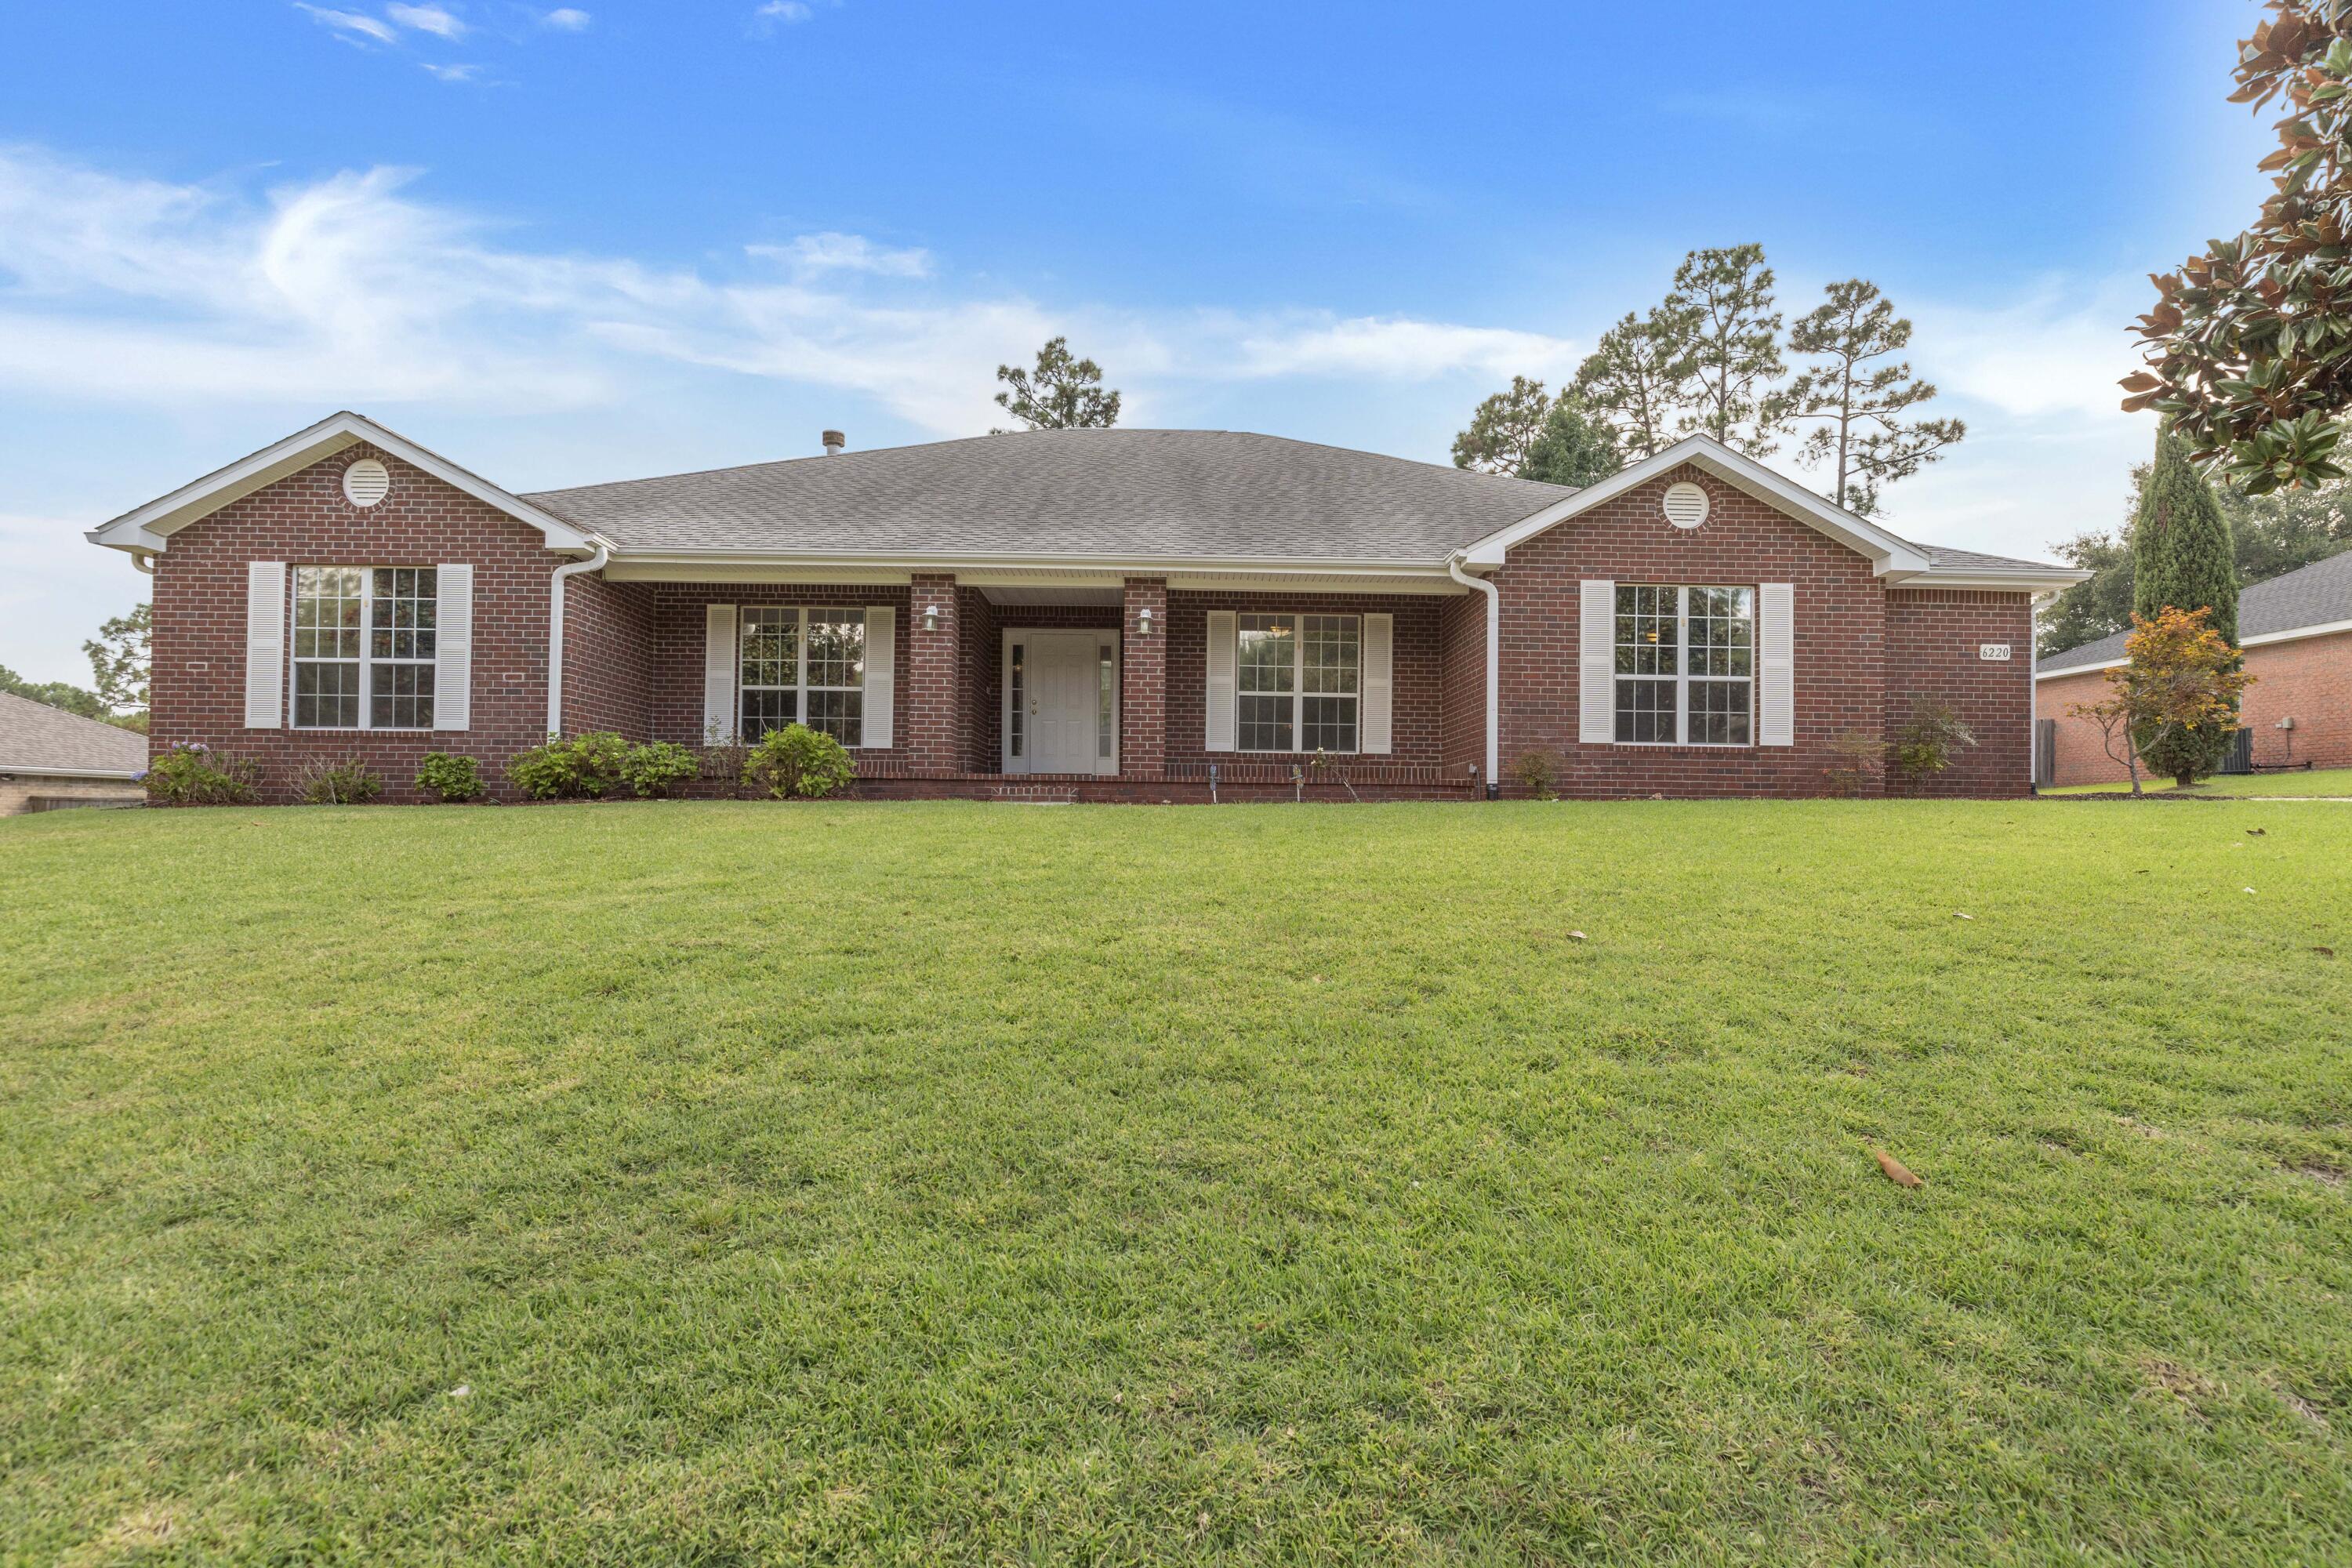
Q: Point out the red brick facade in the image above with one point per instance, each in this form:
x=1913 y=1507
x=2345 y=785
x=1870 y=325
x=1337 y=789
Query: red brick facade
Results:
x=634 y=655
x=2307 y=679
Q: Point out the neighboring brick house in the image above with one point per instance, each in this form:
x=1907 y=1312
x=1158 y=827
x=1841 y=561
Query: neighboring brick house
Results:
x=2296 y=630
x=50 y=759
x=1132 y=615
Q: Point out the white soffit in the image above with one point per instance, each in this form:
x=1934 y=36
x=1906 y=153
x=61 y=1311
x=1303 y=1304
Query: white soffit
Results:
x=150 y=527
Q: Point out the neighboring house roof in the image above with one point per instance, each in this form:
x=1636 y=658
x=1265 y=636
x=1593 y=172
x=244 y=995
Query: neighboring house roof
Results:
x=1214 y=494
x=149 y=529
x=36 y=738
x=2311 y=600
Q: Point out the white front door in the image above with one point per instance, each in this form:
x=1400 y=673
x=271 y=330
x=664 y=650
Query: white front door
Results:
x=1060 y=687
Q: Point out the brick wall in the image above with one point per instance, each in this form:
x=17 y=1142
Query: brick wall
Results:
x=1146 y=724
x=199 y=683
x=2308 y=679
x=1415 y=720
x=1933 y=641
x=1462 y=682
x=608 y=678
x=1841 y=642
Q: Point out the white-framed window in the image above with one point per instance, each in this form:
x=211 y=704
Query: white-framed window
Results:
x=1298 y=682
x=365 y=643
x=1685 y=666
x=804 y=666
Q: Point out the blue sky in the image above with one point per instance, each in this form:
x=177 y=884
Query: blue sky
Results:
x=570 y=244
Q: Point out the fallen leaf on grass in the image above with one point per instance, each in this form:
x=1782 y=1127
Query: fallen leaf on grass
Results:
x=2325 y=951
x=1958 y=916
x=1576 y=936
x=1897 y=1171
x=2249 y=890
x=461 y=1391
x=2256 y=832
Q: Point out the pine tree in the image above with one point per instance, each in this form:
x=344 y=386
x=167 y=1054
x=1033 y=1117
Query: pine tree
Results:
x=1861 y=399
x=1637 y=377
x=2182 y=559
x=1576 y=446
x=1064 y=394
x=1724 y=297
x=1502 y=428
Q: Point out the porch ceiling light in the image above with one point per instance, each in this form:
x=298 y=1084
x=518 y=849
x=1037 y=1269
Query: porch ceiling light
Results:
x=930 y=617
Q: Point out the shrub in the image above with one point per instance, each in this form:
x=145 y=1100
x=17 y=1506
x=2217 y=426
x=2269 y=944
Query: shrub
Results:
x=189 y=773
x=653 y=768
x=1536 y=772
x=1858 y=754
x=1926 y=744
x=585 y=766
x=449 y=777
x=797 y=762
x=347 y=783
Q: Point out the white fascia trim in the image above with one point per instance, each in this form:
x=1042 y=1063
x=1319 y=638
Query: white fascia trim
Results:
x=150 y=527
x=2050 y=581
x=125 y=774
x=1889 y=553
x=682 y=565
x=2264 y=639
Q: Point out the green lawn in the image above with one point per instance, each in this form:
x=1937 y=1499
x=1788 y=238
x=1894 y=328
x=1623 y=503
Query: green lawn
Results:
x=953 y=1183
x=2332 y=781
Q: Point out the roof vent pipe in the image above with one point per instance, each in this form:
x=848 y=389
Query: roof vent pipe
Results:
x=833 y=442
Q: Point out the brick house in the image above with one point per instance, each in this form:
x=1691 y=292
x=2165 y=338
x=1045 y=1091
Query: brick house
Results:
x=1085 y=614
x=2296 y=629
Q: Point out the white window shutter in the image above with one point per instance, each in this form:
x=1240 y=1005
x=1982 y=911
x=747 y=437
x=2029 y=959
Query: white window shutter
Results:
x=1380 y=685
x=1776 y=664
x=453 y=648
x=719 y=655
x=1221 y=662
x=265 y=645
x=1596 y=662
x=881 y=672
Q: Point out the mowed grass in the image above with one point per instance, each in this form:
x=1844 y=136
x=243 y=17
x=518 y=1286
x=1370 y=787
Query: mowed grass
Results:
x=2333 y=782
x=716 y=1183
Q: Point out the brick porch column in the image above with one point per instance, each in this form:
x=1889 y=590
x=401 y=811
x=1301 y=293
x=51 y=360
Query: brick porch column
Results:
x=930 y=719
x=1143 y=682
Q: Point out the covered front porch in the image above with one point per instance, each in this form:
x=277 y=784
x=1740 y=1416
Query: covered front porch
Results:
x=1059 y=685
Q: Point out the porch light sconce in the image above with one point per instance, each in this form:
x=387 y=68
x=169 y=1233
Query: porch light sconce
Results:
x=1143 y=622
x=930 y=617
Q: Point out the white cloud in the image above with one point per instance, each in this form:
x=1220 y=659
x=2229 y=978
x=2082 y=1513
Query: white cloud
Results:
x=831 y=252
x=454 y=73
x=787 y=12
x=565 y=19
x=433 y=19
x=350 y=24
x=349 y=289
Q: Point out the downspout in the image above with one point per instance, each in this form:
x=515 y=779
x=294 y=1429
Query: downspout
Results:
x=555 y=632
x=144 y=560
x=1494 y=669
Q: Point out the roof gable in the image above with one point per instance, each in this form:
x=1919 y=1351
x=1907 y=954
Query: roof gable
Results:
x=148 y=529
x=1889 y=556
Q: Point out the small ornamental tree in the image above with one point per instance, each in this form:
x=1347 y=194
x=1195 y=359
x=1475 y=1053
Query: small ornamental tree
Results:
x=2180 y=674
x=2181 y=559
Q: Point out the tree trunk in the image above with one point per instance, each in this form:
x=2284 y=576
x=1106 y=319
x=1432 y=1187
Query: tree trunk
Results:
x=2183 y=781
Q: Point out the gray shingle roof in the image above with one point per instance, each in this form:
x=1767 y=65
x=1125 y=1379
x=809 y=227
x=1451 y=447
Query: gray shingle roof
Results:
x=1209 y=493
x=36 y=735
x=2313 y=595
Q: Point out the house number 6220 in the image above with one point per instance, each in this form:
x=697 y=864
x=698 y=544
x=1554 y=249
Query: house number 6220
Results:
x=1996 y=651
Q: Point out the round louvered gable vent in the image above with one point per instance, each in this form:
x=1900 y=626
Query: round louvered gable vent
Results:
x=365 y=482
x=1686 y=505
